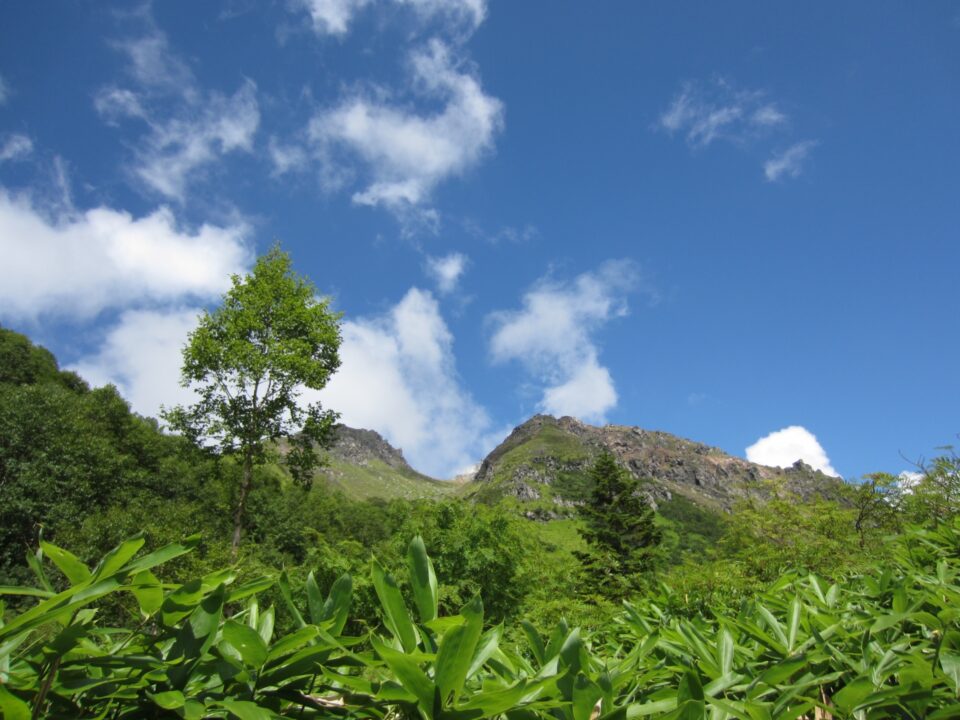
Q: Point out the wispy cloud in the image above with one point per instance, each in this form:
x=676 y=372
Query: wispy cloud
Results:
x=552 y=335
x=333 y=17
x=783 y=448
x=398 y=377
x=447 y=270
x=188 y=128
x=716 y=110
x=788 y=163
x=4 y=90
x=15 y=147
x=404 y=153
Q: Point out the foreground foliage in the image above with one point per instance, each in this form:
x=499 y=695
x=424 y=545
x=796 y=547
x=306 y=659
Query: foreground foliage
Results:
x=881 y=644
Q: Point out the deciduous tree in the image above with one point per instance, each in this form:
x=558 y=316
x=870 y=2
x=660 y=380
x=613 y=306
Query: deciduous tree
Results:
x=248 y=361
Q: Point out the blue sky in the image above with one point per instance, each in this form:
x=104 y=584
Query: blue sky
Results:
x=738 y=223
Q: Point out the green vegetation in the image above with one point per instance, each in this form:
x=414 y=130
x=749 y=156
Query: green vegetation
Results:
x=805 y=600
x=622 y=537
x=247 y=361
x=878 y=644
x=377 y=479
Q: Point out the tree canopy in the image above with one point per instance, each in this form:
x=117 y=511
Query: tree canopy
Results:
x=248 y=361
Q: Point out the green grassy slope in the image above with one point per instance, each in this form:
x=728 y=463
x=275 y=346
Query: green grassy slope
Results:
x=377 y=479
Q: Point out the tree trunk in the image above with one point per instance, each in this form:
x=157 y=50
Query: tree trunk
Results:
x=245 y=483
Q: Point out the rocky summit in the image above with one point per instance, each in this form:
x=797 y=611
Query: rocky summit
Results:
x=546 y=461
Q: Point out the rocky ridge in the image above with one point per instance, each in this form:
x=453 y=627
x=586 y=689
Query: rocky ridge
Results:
x=547 y=458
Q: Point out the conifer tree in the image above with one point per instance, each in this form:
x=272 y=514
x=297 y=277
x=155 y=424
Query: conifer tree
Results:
x=620 y=531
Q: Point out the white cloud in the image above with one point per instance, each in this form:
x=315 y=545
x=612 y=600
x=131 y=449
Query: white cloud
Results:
x=83 y=263
x=909 y=479
x=176 y=148
x=446 y=270
x=286 y=157
x=705 y=112
x=588 y=393
x=405 y=154
x=4 y=90
x=552 y=335
x=15 y=147
x=788 y=163
x=153 y=64
x=398 y=377
x=187 y=128
x=333 y=17
x=141 y=355
x=784 y=447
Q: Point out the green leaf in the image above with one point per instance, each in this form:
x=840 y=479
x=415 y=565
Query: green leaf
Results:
x=118 y=557
x=12 y=707
x=337 y=605
x=488 y=645
x=28 y=591
x=283 y=583
x=265 y=625
x=455 y=655
x=148 y=591
x=690 y=687
x=726 y=651
x=794 y=623
x=68 y=563
x=585 y=696
x=423 y=579
x=292 y=642
x=651 y=708
x=950 y=664
x=534 y=640
x=408 y=672
x=314 y=599
x=163 y=555
x=853 y=693
x=246 y=710
x=246 y=641
x=169 y=700
x=395 y=613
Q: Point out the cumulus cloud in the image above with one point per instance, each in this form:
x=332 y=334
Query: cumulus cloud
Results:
x=705 y=112
x=784 y=447
x=187 y=128
x=552 y=334
x=333 y=17
x=404 y=153
x=398 y=377
x=788 y=163
x=141 y=355
x=15 y=147
x=446 y=270
x=84 y=263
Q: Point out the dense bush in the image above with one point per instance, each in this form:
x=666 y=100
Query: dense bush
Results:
x=881 y=644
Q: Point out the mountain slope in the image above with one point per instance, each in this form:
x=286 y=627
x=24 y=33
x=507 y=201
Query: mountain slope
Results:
x=363 y=465
x=544 y=462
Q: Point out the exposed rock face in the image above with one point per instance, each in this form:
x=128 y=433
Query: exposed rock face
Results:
x=546 y=450
x=359 y=447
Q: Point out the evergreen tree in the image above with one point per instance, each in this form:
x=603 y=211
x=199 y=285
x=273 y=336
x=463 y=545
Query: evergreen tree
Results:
x=620 y=530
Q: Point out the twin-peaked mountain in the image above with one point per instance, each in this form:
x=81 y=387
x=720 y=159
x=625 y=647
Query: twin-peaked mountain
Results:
x=544 y=465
